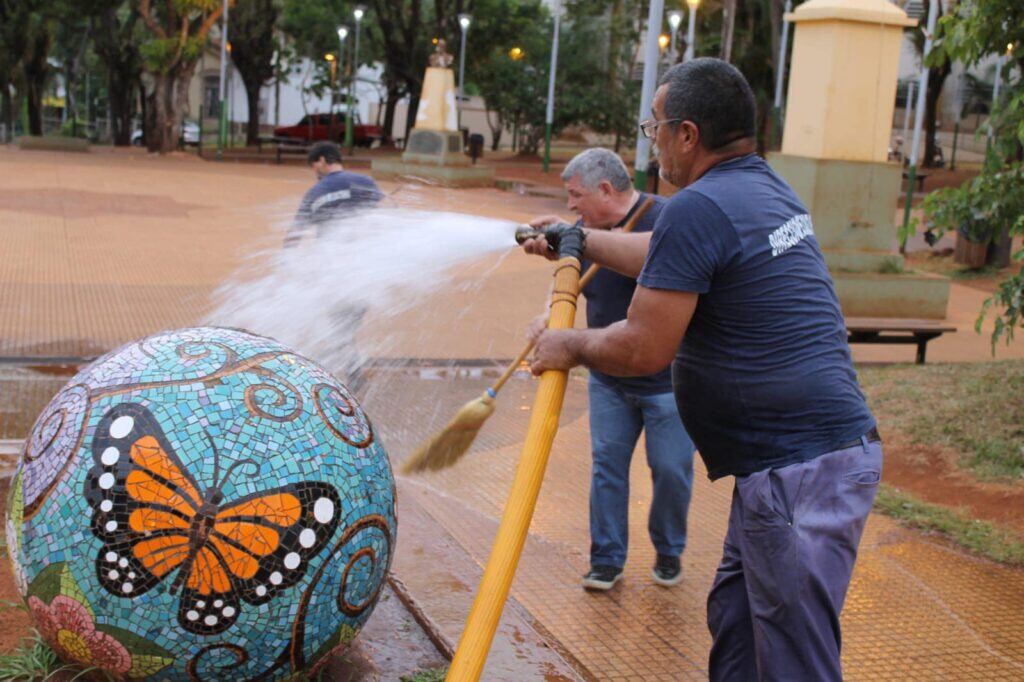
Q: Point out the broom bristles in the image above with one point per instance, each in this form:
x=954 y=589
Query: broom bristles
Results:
x=448 y=446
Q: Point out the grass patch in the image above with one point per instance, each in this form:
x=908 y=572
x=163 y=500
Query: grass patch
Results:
x=436 y=675
x=31 y=661
x=980 y=537
x=892 y=266
x=943 y=264
x=976 y=409
x=965 y=273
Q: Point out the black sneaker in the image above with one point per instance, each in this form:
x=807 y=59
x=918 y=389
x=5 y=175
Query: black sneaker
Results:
x=602 y=577
x=668 y=571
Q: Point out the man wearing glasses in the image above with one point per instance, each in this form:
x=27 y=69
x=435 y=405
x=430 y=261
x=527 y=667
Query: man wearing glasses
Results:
x=733 y=291
x=598 y=188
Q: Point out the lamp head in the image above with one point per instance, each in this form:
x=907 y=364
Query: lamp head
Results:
x=358 y=12
x=675 y=17
x=693 y=4
x=342 y=33
x=464 y=21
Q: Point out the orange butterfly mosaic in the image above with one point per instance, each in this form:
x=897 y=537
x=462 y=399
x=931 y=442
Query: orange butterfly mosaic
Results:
x=158 y=526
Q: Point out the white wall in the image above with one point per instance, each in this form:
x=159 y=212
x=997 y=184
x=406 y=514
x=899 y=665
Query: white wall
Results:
x=291 y=101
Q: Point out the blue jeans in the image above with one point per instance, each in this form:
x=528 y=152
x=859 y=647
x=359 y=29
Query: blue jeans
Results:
x=789 y=552
x=616 y=419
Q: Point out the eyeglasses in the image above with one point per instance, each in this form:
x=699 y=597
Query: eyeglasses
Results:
x=650 y=127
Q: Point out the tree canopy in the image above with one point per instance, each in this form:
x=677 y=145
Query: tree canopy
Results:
x=991 y=206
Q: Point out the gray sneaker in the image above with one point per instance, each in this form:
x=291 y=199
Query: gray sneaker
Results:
x=601 y=577
x=668 y=570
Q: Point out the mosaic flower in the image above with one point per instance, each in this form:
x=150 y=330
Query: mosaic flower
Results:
x=67 y=627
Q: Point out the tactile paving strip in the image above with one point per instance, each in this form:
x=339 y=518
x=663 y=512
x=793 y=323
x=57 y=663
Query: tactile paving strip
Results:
x=917 y=609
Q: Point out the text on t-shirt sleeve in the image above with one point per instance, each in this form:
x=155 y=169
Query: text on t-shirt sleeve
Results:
x=692 y=240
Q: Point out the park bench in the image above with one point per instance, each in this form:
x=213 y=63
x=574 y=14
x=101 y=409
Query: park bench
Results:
x=895 y=330
x=290 y=149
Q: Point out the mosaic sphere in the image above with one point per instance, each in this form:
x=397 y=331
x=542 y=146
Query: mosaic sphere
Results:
x=201 y=504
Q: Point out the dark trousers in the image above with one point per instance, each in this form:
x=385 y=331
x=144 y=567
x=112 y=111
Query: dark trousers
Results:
x=789 y=552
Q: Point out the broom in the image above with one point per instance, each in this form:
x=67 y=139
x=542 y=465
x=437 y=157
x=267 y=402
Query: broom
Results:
x=448 y=446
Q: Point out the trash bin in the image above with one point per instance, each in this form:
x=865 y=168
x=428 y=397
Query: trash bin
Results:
x=476 y=146
x=971 y=249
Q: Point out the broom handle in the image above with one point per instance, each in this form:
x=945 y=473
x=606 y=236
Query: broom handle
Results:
x=587 y=277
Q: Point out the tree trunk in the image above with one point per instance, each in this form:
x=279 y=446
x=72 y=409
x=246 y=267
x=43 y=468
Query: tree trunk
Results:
x=155 y=139
x=936 y=78
x=120 y=91
x=252 y=131
x=728 y=28
x=170 y=98
x=410 y=116
x=34 y=102
x=775 y=11
x=147 y=108
x=179 y=102
x=6 y=111
x=389 y=115
x=1000 y=250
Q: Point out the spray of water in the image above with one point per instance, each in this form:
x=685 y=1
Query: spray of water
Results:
x=381 y=262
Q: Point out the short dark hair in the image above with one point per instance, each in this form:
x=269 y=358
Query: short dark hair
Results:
x=330 y=152
x=715 y=96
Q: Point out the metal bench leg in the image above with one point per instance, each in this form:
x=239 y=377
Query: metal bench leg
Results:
x=922 y=343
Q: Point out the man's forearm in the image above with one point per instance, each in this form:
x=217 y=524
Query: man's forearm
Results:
x=614 y=350
x=623 y=253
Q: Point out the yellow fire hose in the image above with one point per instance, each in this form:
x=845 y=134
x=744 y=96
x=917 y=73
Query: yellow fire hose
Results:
x=468 y=663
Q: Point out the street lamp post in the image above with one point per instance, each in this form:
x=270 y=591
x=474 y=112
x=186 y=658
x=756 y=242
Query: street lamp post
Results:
x=464 y=22
x=643 y=145
x=549 y=116
x=690 y=28
x=780 y=73
x=222 y=124
x=922 y=90
x=335 y=77
x=357 y=13
x=342 y=35
x=675 y=17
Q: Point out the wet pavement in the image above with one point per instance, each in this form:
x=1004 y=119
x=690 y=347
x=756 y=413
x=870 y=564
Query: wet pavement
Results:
x=917 y=608
x=113 y=247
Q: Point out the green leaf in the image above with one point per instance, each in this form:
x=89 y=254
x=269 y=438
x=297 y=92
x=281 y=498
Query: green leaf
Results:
x=137 y=645
x=54 y=580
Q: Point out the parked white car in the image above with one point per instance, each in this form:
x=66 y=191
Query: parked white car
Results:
x=189 y=131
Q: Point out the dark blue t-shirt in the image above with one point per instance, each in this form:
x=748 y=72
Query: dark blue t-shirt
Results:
x=608 y=298
x=764 y=376
x=335 y=195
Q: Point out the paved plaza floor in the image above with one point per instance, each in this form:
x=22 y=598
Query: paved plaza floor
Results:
x=102 y=248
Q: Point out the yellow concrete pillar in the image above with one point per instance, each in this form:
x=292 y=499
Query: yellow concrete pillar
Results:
x=835 y=151
x=842 y=86
x=438 y=110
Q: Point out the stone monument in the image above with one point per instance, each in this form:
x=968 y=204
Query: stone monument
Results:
x=839 y=114
x=433 y=151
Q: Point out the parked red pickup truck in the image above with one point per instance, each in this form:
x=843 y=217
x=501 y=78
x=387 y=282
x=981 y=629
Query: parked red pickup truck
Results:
x=315 y=127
